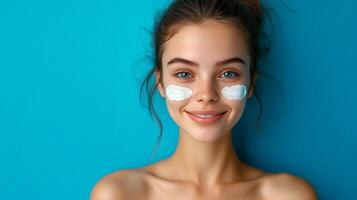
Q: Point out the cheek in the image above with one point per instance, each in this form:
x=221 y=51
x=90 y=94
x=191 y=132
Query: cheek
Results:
x=237 y=109
x=177 y=93
x=235 y=92
x=174 y=108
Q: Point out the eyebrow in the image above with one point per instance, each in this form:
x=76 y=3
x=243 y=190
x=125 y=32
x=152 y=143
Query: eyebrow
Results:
x=219 y=63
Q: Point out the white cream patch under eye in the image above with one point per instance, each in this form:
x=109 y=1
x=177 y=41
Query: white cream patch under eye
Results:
x=235 y=92
x=177 y=93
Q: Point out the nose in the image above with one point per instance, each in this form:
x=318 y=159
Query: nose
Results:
x=206 y=91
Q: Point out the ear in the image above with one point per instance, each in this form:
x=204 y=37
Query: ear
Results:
x=252 y=85
x=160 y=87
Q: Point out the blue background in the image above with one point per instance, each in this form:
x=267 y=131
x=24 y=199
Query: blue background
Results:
x=70 y=112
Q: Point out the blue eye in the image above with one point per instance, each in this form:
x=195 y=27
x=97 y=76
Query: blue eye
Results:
x=230 y=74
x=186 y=75
x=183 y=75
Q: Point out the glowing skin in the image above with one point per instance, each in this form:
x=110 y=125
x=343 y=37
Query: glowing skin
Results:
x=178 y=93
x=209 y=50
x=204 y=154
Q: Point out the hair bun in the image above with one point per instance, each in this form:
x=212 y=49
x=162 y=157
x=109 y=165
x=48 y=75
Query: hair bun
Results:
x=255 y=6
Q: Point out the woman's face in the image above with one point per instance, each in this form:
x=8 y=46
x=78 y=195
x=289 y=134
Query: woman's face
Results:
x=190 y=60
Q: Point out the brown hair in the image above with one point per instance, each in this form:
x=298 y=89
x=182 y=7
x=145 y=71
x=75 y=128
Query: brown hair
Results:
x=247 y=15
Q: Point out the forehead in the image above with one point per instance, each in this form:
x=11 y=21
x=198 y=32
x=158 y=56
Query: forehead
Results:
x=206 y=43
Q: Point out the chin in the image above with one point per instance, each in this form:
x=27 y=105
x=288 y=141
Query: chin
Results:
x=206 y=135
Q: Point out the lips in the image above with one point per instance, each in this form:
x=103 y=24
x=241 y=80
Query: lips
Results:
x=206 y=117
x=206 y=112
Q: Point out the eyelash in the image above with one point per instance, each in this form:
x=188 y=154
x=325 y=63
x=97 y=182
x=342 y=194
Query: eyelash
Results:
x=176 y=74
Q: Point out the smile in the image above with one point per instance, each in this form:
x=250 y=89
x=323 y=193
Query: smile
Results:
x=206 y=118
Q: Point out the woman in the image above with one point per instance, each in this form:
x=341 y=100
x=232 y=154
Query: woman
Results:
x=206 y=54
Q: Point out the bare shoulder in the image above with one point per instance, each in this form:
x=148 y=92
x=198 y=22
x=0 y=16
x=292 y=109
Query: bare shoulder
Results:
x=288 y=186
x=123 y=184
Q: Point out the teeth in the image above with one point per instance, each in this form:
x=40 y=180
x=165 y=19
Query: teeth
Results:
x=204 y=116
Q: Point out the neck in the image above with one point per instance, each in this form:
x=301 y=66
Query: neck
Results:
x=206 y=164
